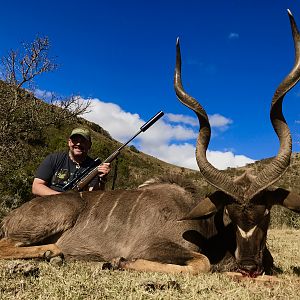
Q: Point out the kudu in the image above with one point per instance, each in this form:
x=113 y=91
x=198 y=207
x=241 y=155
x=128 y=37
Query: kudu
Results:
x=151 y=228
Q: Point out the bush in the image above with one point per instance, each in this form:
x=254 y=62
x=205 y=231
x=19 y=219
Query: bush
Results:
x=282 y=217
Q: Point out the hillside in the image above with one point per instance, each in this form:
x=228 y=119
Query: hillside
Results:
x=289 y=180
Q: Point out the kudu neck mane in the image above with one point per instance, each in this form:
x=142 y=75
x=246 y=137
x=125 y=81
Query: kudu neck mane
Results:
x=177 y=179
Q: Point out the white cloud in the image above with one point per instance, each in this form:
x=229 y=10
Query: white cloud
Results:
x=41 y=94
x=217 y=120
x=233 y=36
x=120 y=124
x=178 y=118
x=164 y=140
x=223 y=160
x=183 y=155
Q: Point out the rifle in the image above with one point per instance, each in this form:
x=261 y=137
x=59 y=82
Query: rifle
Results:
x=79 y=182
x=72 y=183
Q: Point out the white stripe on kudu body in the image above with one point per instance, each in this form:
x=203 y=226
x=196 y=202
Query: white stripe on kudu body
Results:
x=111 y=212
x=134 y=206
x=91 y=212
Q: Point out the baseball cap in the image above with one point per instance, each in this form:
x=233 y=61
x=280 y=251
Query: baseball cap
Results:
x=83 y=132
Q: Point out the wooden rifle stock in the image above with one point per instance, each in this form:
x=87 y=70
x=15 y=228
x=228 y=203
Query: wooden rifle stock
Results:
x=84 y=180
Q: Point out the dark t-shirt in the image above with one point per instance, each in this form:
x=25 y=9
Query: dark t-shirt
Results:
x=58 y=169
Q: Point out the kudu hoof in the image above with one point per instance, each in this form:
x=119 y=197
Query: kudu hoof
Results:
x=115 y=264
x=54 y=259
x=57 y=260
x=47 y=255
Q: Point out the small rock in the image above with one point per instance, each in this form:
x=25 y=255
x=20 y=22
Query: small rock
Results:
x=153 y=286
x=26 y=269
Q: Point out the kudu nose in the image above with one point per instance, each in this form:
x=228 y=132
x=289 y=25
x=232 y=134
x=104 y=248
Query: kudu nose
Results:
x=250 y=268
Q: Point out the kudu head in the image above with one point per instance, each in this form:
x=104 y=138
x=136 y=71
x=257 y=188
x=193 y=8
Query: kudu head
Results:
x=247 y=200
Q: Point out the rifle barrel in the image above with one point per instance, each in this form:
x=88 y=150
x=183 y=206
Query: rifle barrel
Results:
x=152 y=121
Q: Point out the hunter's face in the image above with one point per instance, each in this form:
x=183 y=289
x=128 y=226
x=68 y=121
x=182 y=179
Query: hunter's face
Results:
x=79 y=146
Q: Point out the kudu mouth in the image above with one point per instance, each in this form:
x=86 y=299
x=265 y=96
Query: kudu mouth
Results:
x=250 y=266
x=250 y=270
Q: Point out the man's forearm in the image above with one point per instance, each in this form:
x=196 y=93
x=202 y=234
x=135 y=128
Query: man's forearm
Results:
x=43 y=190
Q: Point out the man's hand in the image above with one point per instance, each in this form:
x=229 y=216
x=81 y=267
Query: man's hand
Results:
x=104 y=169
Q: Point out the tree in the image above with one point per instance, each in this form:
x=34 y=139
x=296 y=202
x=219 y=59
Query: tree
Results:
x=20 y=67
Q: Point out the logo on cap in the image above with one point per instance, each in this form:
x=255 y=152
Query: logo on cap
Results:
x=83 y=132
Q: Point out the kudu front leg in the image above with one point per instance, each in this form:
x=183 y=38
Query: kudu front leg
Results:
x=10 y=250
x=198 y=264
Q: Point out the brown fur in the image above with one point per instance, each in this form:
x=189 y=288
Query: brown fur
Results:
x=138 y=225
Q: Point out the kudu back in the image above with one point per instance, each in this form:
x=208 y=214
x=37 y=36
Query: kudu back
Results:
x=164 y=226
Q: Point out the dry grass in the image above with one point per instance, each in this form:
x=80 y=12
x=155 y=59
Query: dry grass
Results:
x=78 y=280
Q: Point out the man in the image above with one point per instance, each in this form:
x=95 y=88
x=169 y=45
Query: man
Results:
x=60 y=168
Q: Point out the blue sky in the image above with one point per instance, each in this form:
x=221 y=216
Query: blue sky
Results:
x=122 y=55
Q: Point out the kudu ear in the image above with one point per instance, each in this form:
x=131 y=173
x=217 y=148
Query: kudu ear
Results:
x=207 y=206
x=286 y=198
